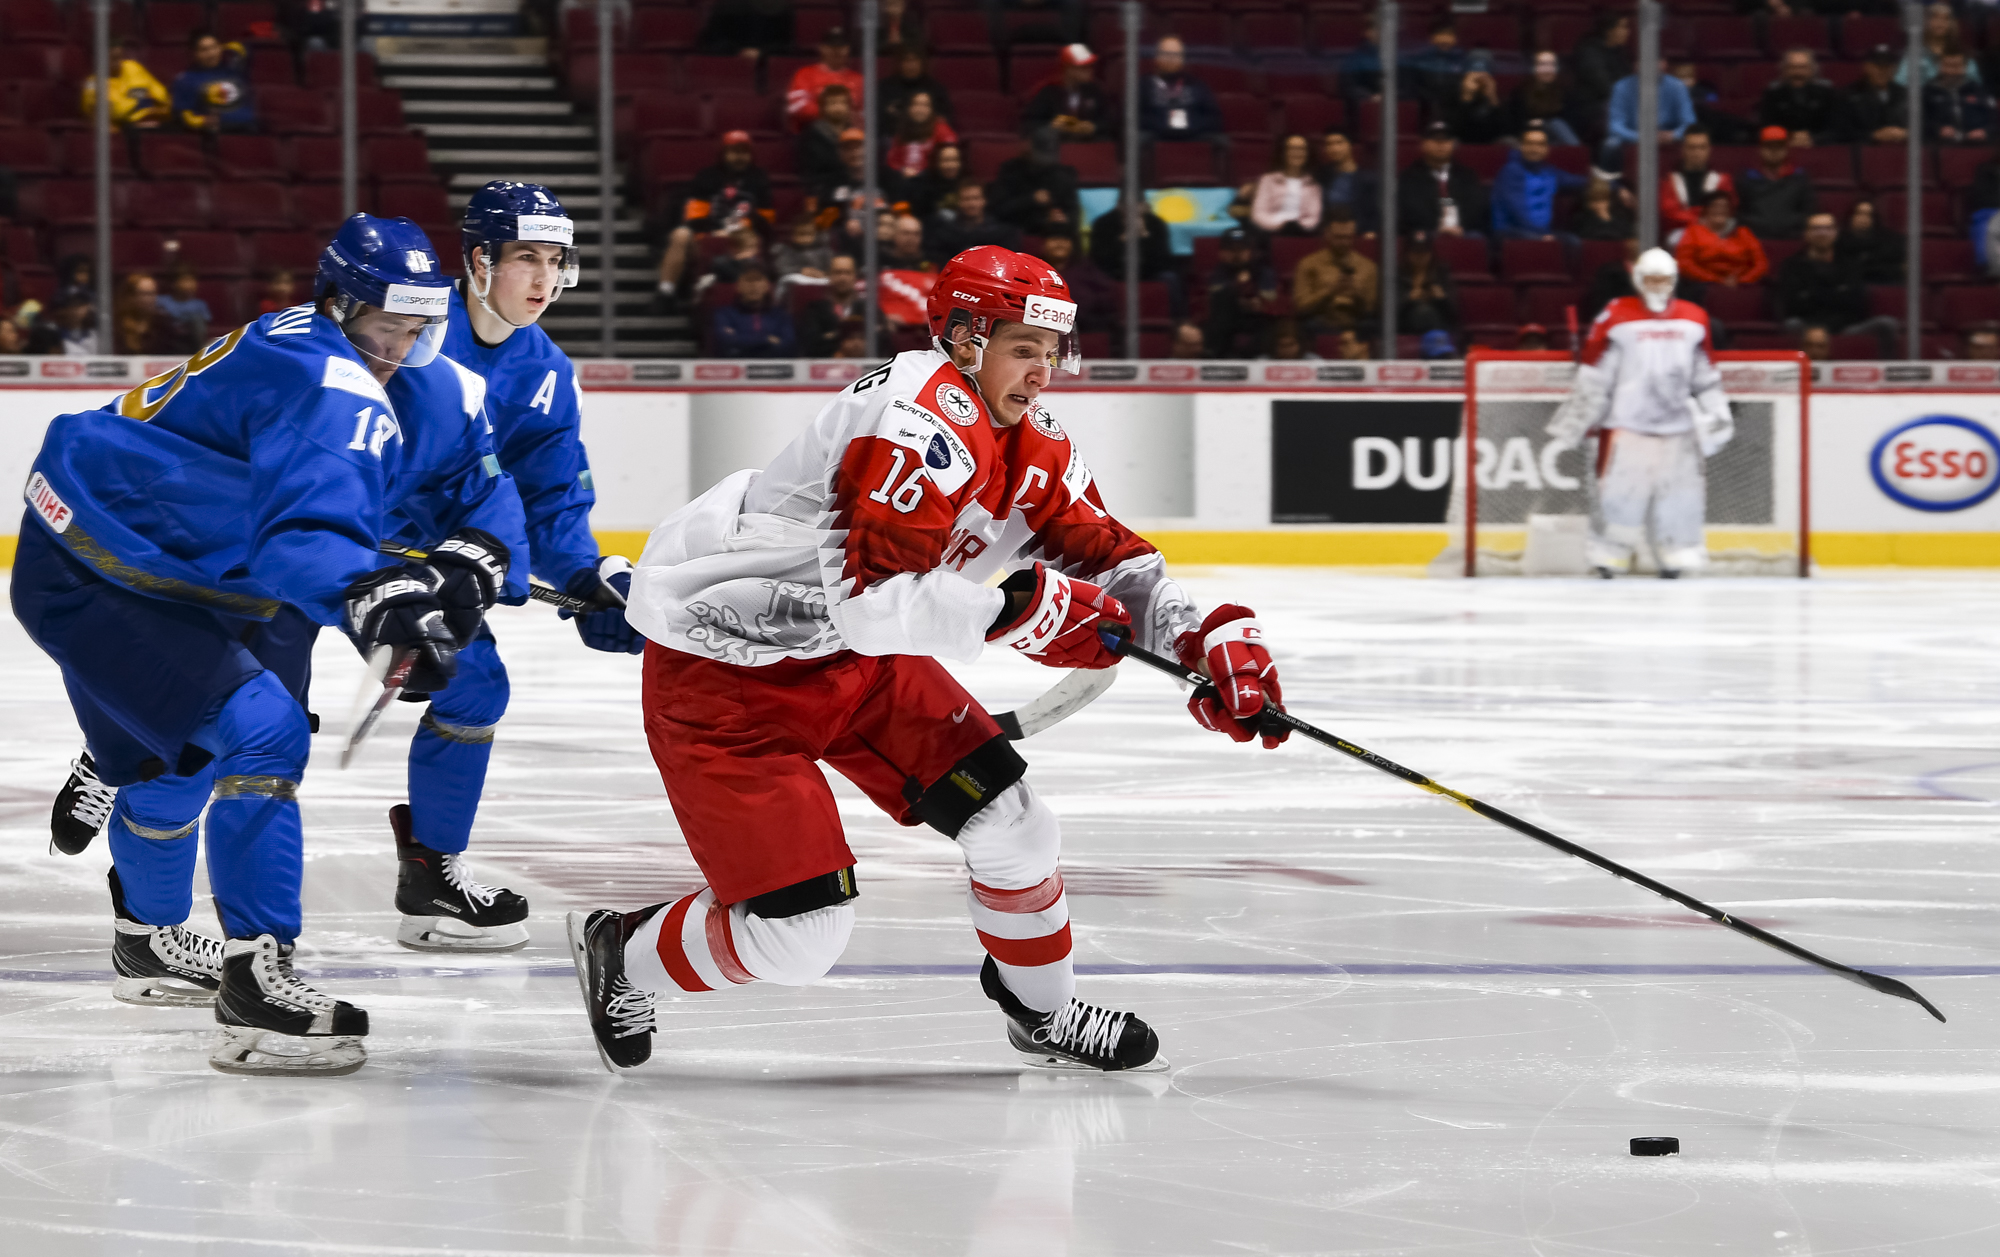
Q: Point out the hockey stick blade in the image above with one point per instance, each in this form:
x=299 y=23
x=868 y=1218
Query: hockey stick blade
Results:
x=1274 y=716
x=387 y=674
x=1058 y=703
x=536 y=590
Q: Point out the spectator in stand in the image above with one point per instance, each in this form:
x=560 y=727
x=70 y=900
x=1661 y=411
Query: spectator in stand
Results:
x=1982 y=205
x=902 y=248
x=746 y=248
x=819 y=159
x=1428 y=301
x=808 y=81
x=839 y=203
x=1600 y=215
x=1475 y=113
x=213 y=93
x=68 y=326
x=1348 y=346
x=1957 y=109
x=1156 y=247
x=1036 y=191
x=1287 y=344
x=1360 y=70
x=1075 y=106
x=1801 y=102
x=1344 y=183
x=1614 y=279
x=751 y=327
x=1941 y=36
x=1437 y=345
x=913 y=74
x=1621 y=118
x=138 y=100
x=1602 y=58
x=1817 y=285
x=746 y=28
x=1716 y=249
x=937 y=187
x=1710 y=114
x=1434 y=70
x=1336 y=287
x=917 y=135
x=1242 y=293
x=184 y=308
x=13 y=339
x=1525 y=191
x=1531 y=338
x=1062 y=21
x=733 y=193
x=1687 y=187
x=281 y=292
x=967 y=225
x=1871 y=246
x=1542 y=100
x=841 y=307
x=1186 y=342
x=1876 y=106
x=900 y=27
x=1982 y=343
x=1286 y=200
x=1175 y=105
x=1776 y=196
x=138 y=324
x=803 y=252
x=1816 y=342
x=1439 y=195
x=1097 y=298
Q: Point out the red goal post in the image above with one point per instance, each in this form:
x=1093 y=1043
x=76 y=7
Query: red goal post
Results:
x=1760 y=494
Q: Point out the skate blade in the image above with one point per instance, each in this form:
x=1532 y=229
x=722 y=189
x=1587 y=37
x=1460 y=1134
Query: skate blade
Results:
x=1048 y=1063
x=450 y=934
x=161 y=993
x=267 y=1054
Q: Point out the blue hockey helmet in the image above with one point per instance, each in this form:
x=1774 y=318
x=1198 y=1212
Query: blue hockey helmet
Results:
x=388 y=263
x=504 y=210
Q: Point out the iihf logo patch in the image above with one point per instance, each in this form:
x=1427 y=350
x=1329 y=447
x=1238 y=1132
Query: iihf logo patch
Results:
x=957 y=407
x=1046 y=422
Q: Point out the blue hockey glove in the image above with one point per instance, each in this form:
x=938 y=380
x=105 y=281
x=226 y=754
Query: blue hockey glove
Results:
x=605 y=587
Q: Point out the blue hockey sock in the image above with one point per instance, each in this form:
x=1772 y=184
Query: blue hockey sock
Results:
x=255 y=865
x=453 y=743
x=152 y=837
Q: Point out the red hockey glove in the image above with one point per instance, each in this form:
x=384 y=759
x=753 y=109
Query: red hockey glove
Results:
x=1059 y=627
x=1231 y=643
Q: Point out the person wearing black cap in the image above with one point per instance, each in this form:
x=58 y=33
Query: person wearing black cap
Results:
x=1242 y=292
x=1800 y=101
x=808 y=81
x=1876 y=106
x=1438 y=195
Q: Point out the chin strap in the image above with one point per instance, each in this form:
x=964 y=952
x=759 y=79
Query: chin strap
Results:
x=473 y=287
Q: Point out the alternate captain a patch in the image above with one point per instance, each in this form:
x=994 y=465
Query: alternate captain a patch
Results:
x=954 y=405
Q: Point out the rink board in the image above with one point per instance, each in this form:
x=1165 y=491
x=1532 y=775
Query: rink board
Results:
x=1184 y=452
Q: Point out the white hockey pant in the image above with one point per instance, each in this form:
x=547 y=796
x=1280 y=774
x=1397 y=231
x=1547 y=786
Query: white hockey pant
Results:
x=1651 y=481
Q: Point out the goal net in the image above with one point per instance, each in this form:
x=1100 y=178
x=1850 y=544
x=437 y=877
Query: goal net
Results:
x=1528 y=506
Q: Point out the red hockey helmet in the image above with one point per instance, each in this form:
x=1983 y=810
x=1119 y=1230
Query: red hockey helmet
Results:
x=984 y=287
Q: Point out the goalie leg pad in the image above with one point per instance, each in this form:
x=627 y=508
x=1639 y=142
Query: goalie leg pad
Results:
x=1680 y=504
x=453 y=745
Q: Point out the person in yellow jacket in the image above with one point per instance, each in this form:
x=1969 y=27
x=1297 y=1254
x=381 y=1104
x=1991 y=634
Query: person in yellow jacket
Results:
x=137 y=98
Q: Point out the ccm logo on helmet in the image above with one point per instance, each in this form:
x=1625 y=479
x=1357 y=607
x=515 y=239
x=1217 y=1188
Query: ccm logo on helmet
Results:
x=965 y=296
x=1058 y=316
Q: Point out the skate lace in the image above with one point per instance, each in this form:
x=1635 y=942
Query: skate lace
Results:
x=629 y=1008
x=94 y=799
x=1082 y=1028
x=279 y=980
x=464 y=883
x=197 y=951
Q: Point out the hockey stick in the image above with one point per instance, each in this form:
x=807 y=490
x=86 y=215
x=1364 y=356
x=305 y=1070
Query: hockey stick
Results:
x=536 y=590
x=383 y=683
x=1058 y=703
x=1274 y=717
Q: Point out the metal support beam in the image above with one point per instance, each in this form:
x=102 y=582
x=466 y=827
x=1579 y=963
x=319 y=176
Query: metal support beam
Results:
x=871 y=190
x=607 y=182
x=100 y=54
x=1913 y=183
x=1647 y=66
x=1132 y=14
x=1387 y=17
x=350 y=117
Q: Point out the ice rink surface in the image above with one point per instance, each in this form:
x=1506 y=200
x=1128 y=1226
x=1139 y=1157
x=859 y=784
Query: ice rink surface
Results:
x=1394 y=1027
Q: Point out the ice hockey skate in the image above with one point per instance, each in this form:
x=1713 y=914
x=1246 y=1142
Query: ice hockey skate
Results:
x=1077 y=1036
x=444 y=908
x=161 y=964
x=274 y=1024
x=82 y=807
x=621 y=1015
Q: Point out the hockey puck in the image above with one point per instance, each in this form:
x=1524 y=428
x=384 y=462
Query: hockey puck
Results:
x=1656 y=1146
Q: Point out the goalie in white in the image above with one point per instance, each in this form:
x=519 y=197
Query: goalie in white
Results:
x=1647 y=385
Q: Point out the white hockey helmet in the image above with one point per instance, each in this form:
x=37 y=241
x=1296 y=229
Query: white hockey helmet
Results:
x=1654 y=275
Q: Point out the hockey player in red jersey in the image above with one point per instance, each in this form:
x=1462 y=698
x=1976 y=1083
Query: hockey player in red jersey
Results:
x=796 y=614
x=1646 y=380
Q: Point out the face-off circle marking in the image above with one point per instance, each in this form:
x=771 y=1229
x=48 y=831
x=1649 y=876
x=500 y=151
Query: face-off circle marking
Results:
x=956 y=405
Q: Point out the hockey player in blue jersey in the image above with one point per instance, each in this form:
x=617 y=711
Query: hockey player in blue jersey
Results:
x=520 y=253
x=182 y=547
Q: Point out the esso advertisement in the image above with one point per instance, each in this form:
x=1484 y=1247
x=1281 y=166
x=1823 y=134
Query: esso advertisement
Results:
x=1937 y=463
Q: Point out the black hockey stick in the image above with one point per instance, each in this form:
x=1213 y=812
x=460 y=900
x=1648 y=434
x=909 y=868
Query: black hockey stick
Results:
x=539 y=592
x=1274 y=717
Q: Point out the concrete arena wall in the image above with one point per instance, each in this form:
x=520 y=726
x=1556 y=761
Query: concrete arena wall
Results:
x=1189 y=469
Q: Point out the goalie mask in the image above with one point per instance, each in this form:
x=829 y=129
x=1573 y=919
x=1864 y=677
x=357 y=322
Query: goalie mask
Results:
x=387 y=263
x=503 y=211
x=1655 y=275
x=984 y=287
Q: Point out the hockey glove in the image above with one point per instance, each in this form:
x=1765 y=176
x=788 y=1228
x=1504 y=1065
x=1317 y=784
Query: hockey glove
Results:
x=1060 y=624
x=1714 y=424
x=472 y=567
x=1231 y=643
x=605 y=587
x=398 y=607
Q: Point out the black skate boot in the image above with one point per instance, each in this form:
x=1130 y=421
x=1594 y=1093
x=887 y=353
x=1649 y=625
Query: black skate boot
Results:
x=82 y=807
x=161 y=964
x=1076 y=1036
x=274 y=1024
x=443 y=908
x=621 y=1015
